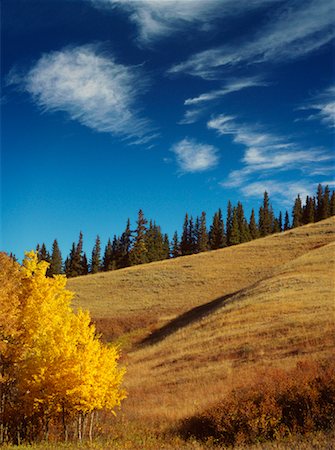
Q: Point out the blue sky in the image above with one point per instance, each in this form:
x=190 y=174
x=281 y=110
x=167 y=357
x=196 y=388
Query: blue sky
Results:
x=165 y=105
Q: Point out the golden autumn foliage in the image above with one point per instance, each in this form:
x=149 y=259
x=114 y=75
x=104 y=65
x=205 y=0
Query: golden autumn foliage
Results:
x=54 y=370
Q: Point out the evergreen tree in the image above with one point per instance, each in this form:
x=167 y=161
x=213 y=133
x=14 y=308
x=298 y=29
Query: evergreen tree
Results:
x=319 y=203
x=235 y=237
x=185 y=244
x=154 y=241
x=107 y=261
x=192 y=237
x=253 y=229
x=166 y=247
x=84 y=264
x=95 y=265
x=43 y=254
x=229 y=222
x=217 y=238
x=280 y=222
x=139 y=252
x=242 y=224
x=74 y=263
x=119 y=256
x=55 y=267
x=123 y=248
x=308 y=213
x=266 y=217
x=276 y=226
x=297 y=213
x=332 y=204
x=325 y=206
x=202 y=235
x=175 y=247
x=287 y=221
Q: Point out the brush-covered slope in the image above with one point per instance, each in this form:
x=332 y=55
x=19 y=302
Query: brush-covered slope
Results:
x=288 y=317
x=148 y=296
x=217 y=317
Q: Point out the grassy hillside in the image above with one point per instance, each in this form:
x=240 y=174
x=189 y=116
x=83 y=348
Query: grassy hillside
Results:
x=202 y=324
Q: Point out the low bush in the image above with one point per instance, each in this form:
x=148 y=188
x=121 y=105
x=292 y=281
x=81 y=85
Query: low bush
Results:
x=273 y=404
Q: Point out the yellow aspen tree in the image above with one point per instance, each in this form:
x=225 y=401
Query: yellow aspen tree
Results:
x=60 y=374
x=9 y=333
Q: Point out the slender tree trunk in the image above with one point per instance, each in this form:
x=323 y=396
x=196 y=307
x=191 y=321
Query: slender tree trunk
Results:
x=91 y=426
x=65 y=433
x=2 y=416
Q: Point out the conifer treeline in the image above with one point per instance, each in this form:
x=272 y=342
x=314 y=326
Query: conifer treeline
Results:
x=147 y=243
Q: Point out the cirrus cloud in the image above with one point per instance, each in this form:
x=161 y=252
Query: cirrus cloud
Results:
x=90 y=87
x=193 y=156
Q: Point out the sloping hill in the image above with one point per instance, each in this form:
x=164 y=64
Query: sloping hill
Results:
x=147 y=297
x=274 y=322
x=205 y=323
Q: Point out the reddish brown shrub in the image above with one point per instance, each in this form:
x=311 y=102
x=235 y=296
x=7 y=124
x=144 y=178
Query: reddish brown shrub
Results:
x=274 y=404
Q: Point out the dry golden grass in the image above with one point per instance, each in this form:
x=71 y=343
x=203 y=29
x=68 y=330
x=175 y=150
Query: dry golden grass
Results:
x=216 y=318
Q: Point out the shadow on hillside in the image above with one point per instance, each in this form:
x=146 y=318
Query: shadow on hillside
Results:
x=187 y=318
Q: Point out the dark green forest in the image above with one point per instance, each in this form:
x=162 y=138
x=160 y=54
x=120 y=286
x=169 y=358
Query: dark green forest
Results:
x=147 y=243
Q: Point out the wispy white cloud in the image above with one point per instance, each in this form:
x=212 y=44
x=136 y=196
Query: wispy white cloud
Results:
x=232 y=86
x=156 y=19
x=322 y=107
x=193 y=156
x=297 y=29
x=265 y=155
x=192 y=115
x=90 y=87
x=286 y=192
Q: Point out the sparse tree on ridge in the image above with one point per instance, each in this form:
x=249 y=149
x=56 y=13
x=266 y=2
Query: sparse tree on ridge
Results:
x=139 y=252
x=297 y=213
x=266 y=218
x=107 y=261
x=95 y=265
x=175 y=247
x=332 y=204
x=253 y=229
x=287 y=221
x=229 y=222
x=202 y=234
x=235 y=237
x=56 y=264
x=217 y=238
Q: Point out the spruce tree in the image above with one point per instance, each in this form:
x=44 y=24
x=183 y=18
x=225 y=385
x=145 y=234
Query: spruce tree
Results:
x=95 y=265
x=202 y=235
x=107 y=260
x=332 y=204
x=308 y=213
x=229 y=222
x=192 y=237
x=242 y=224
x=235 y=237
x=253 y=229
x=297 y=213
x=84 y=264
x=287 y=221
x=166 y=247
x=319 y=203
x=124 y=247
x=175 y=247
x=74 y=263
x=217 y=238
x=266 y=217
x=280 y=221
x=185 y=247
x=325 y=207
x=139 y=252
x=55 y=267
x=43 y=254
